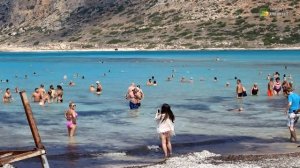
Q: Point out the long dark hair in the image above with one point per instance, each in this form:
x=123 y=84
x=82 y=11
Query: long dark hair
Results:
x=166 y=109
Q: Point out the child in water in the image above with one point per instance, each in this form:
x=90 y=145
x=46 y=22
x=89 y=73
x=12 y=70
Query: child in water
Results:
x=165 y=127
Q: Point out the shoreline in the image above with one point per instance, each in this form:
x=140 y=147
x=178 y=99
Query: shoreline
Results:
x=206 y=159
x=29 y=49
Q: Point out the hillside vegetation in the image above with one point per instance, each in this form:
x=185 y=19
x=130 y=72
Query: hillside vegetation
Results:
x=150 y=24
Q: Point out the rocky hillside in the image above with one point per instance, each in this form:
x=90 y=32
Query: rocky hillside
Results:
x=149 y=24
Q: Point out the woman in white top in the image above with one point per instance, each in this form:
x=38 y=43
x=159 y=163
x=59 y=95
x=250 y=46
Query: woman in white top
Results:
x=165 y=127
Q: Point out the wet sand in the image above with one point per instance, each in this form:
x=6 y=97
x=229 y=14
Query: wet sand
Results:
x=206 y=159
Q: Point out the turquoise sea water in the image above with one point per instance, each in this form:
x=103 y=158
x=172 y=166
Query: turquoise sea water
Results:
x=109 y=134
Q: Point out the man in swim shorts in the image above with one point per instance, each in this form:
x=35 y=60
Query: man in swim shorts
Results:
x=239 y=89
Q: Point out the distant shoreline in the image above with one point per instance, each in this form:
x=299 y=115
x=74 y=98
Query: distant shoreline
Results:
x=27 y=49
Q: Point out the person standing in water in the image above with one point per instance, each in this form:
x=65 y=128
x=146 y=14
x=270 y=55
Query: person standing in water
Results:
x=291 y=110
x=165 y=127
x=270 y=91
x=277 y=86
x=134 y=99
x=7 y=98
x=71 y=117
x=59 y=94
x=254 y=90
x=240 y=90
x=98 y=88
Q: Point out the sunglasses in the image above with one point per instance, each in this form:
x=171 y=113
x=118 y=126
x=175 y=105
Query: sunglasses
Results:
x=74 y=105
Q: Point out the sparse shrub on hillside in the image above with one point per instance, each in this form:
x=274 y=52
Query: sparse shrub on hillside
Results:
x=239 y=20
x=287 y=29
x=221 y=24
x=64 y=34
x=120 y=8
x=150 y=37
x=214 y=33
x=238 y=12
x=156 y=18
x=155 y=14
x=128 y=30
x=177 y=28
x=144 y=30
x=176 y=18
x=171 y=38
x=117 y=25
x=185 y=32
x=293 y=38
x=36 y=43
x=151 y=46
x=116 y=41
x=271 y=27
x=195 y=47
x=150 y=4
x=113 y=33
x=140 y=22
x=219 y=38
x=188 y=37
x=129 y=12
x=270 y=38
x=87 y=46
x=294 y=2
x=251 y=35
x=187 y=44
x=259 y=8
x=74 y=39
x=137 y=20
x=198 y=38
x=94 y=39
x=247 y=25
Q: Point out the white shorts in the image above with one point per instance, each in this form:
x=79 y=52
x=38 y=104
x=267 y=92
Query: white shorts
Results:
x=291 y=119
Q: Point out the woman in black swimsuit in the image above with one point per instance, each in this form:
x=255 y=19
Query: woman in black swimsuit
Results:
x=254 y=90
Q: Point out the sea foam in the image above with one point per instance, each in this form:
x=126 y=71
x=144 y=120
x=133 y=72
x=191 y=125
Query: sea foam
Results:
x=198 y=160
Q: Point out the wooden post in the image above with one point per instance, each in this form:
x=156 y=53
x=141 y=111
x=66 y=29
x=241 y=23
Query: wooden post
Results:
x=33 y=128
x=31 y=121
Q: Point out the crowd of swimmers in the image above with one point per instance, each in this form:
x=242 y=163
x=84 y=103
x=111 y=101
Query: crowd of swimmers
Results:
x=164 y=116
x=41 y=96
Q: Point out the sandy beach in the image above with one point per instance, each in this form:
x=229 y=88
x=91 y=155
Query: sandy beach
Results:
x=66 y=48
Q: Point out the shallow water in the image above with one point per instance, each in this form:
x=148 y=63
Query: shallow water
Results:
x=109 y=134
